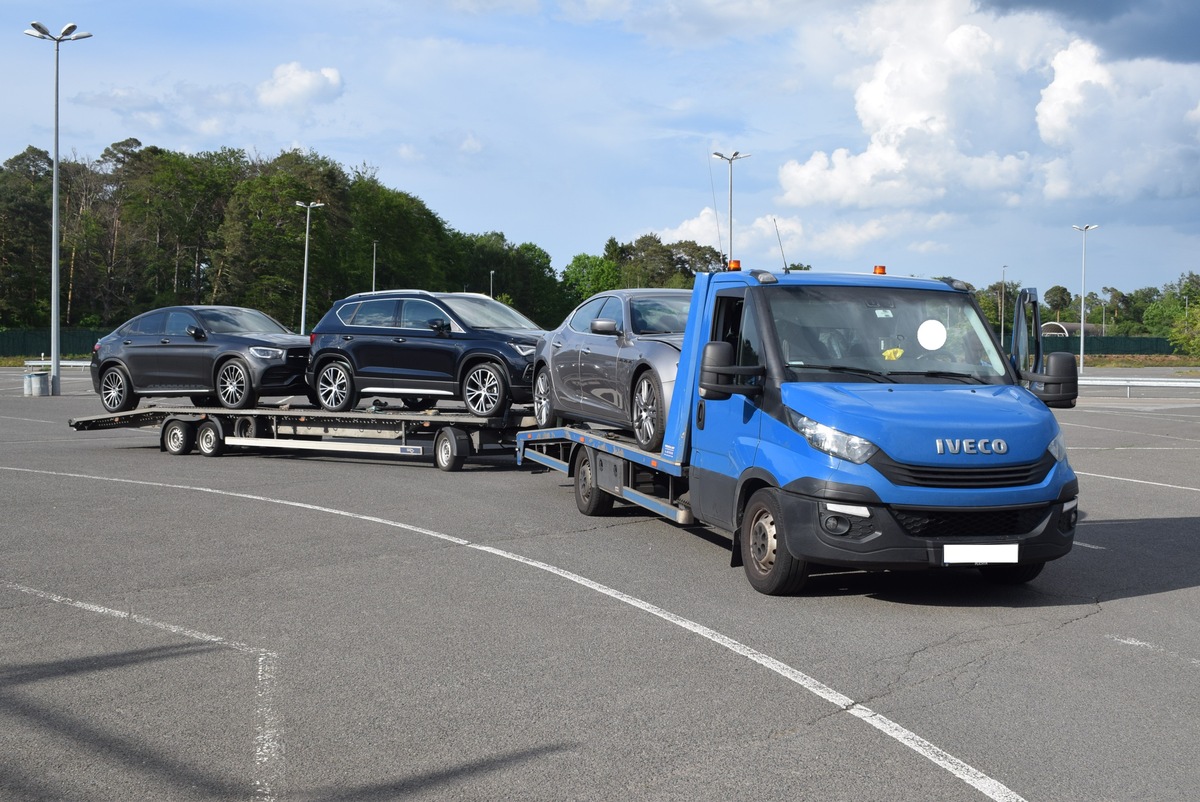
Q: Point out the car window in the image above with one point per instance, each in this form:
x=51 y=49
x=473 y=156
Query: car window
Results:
x=584 y=315
x=237 y=320
x=665 y=315
x=416 y=314
x=481 y=312
x=151 y=323
x=178 y=321
x=376 y=312
x=613 y=309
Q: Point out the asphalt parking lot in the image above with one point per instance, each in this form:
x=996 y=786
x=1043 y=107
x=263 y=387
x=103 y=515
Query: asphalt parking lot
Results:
x=278 y=627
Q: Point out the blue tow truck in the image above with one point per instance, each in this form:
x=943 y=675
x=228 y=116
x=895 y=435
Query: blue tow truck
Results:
x=853 y=420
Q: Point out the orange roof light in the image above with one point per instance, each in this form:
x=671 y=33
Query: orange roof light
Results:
x=880 y=270
x=735 y=264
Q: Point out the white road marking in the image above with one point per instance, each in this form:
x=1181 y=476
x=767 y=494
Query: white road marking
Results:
x=990 y=787
x=1150 y=647
x=1138 y=481
x=268 y=745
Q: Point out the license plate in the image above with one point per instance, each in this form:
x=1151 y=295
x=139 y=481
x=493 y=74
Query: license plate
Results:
x=978 y=554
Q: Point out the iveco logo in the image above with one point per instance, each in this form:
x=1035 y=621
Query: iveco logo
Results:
x=971 y=446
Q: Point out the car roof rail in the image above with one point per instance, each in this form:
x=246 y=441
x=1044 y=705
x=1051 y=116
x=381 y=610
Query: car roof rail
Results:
x=369 y=293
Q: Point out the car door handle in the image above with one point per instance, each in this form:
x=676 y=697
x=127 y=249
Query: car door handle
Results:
x=165 y=341
x=556 y=344
x=399 y=340
x=347 y=336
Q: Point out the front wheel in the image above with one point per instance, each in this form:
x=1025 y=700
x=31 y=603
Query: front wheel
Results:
x=1017 y=574
x=116 y=391
x=485 y=391
x=233 y=385
x=770 y=567
x=335 y=387
x=543 y=400
x=589 y=498
x=648 y=414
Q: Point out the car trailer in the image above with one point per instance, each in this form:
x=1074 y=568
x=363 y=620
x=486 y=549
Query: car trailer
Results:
x=450 y=435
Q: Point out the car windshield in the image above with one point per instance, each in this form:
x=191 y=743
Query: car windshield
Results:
x=897 y=335
x=660 y=314
x=481 y=312
x=239 y=321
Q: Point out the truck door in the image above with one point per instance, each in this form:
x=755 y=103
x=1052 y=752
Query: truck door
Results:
x=725 y=433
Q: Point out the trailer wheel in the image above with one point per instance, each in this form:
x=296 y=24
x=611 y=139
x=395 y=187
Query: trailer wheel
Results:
x=450 y=449
x=1017 y=574
x=769 y=566
x=209 y=440
x=178 y=437
x=589 y=498
x=249 y=426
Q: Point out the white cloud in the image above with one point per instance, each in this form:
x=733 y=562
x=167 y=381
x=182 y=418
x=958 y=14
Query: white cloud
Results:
x=1079 y=81
x=292 y=86
x=470 y=145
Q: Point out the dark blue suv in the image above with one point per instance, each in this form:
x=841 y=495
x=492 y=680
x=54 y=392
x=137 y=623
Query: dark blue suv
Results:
x=421 y=347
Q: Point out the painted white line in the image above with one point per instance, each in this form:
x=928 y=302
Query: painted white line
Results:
x=268 y=743
x=1090 y=546
x=990 y=787
x=1150 y=647
x=1138 y=481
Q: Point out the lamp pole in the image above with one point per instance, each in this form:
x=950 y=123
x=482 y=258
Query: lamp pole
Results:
x=731 y=159
x=40 y=31
x=492 y=284
x=1083 y=291
x=374 y=250
x=1003 y=292
x=308 y=207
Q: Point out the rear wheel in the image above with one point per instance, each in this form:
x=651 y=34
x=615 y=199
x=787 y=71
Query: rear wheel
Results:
x=335 y=387
x=543 y=400
x=116 y=392
x=233 y=385
x=646 y=408
x=209 y=440
x=770 y=567
x=1017 y=574
x=589 y=498
x=485 y=390
x=178 y=437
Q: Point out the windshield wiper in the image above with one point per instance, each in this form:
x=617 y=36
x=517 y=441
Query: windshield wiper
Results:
x=940 y=374
x=874 y=374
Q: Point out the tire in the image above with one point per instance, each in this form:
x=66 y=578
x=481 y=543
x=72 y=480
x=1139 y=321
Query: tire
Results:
x=249 y=426
x=1017 y=574
x=209 y=440
x=485 y=390
x=769 y=566
x=178 y=437
x=450 y=449
x=234 y=389
x=335 y=387
x=589 y=498
x=543 y=400
x=116 y=391
x=646 y=411
x=204 y=401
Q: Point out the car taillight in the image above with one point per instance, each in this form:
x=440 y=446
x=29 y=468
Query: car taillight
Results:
x=312 y=337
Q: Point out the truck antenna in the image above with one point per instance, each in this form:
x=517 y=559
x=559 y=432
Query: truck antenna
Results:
x=785 y=264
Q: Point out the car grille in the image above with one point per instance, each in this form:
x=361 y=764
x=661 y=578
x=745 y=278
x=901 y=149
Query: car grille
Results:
x=943 y=523
x=1030 y=473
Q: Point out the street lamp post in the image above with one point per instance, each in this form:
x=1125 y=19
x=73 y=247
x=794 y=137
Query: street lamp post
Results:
x=1003 y=292
x=1083 y=291
x=40 y=31
x=492 y=284
x=374 y=249
x=308 y=207
x=731 y=160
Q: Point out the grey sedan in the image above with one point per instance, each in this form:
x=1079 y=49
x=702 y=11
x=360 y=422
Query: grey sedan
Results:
x=613 y=361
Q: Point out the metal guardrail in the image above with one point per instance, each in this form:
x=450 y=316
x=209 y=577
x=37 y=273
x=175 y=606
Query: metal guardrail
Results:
x=1130 y=383
x=65 y=363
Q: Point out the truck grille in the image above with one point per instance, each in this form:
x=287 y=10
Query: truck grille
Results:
x=1029 y=473
x=943 y=523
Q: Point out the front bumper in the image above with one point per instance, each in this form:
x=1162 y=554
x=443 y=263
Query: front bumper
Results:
x=866 y=533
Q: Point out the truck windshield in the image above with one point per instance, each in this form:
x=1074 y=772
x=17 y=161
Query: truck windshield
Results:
x=876 y=334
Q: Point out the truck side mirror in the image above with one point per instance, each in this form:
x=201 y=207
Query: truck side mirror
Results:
x=1058 y=387
x=717 y=372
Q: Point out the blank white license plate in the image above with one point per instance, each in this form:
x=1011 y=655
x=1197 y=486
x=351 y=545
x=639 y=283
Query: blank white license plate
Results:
x=972 y=554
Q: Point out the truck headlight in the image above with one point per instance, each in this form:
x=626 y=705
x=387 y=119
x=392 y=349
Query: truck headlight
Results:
x=825 y=438
x=263 y=352
x=1058 y=448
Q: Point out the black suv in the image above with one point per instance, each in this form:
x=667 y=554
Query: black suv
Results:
x=423 y=346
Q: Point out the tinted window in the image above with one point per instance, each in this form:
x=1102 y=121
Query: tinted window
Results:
x=232 y=320
x=376 y=312
x=416 y=314
x=178 y=321
x=613 y=309
x=584 y=315
x=667 y=315
x=152 y=323
x=481 y=312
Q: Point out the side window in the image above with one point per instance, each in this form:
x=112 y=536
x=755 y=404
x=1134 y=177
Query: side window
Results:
x=749 y=345
x=612 y=310
x=178 y=322
x=152 y=323
x=377 y=312
x=416 y=314
x=584 y=315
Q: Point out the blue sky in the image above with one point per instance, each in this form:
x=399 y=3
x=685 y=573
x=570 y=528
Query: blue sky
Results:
x=941 y=137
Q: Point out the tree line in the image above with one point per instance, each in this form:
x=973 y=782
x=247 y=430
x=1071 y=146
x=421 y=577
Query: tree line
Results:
x=143 y=227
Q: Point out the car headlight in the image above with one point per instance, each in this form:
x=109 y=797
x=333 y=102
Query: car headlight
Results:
x=825 y=438
x=523 y=349
x=263 y=352
x=1058 y=448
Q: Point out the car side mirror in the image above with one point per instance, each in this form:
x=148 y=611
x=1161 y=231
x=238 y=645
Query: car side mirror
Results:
x=196 y=333
x=717 y=372
x=439 y=325
x=604 y=326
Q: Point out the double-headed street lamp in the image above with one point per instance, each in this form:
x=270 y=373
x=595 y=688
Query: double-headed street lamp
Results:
x=40 y=31
x=731 y=160
x=308 y=207
x=1083 y=291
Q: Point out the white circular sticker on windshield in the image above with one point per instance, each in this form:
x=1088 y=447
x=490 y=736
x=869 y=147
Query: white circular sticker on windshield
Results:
x=932 y=335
